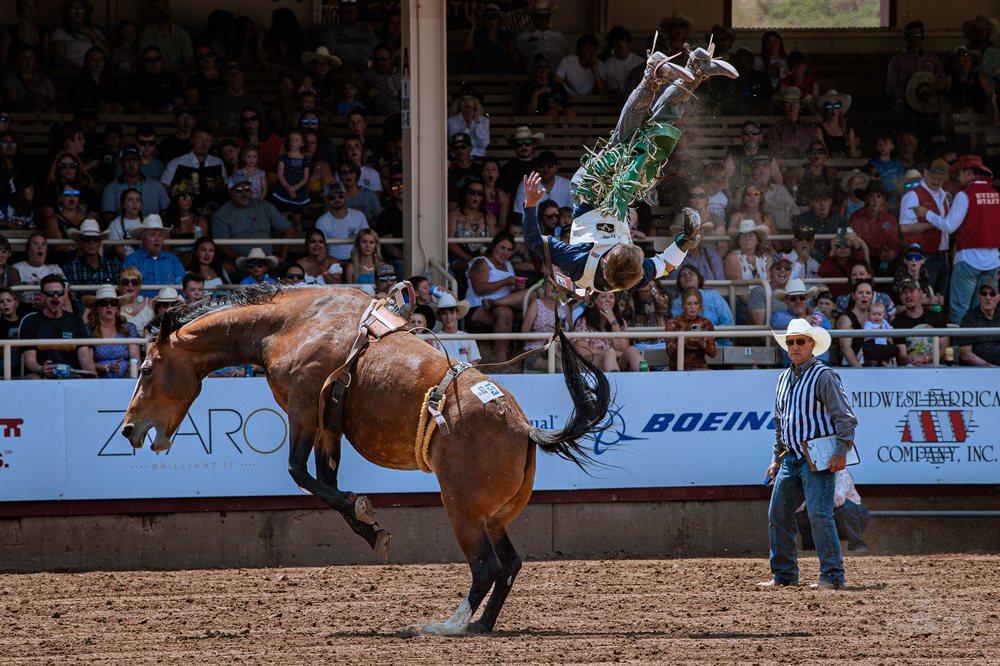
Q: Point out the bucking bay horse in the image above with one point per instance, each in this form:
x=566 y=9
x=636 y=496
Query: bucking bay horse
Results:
x=485 y=465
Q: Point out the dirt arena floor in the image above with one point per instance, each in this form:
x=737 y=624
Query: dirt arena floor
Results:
x=928 y=609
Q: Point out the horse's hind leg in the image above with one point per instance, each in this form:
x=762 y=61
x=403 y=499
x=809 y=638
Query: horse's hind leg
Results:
x=485 y=566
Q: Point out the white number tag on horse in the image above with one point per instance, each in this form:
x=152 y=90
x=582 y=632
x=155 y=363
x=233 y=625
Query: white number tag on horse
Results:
x=486 y=391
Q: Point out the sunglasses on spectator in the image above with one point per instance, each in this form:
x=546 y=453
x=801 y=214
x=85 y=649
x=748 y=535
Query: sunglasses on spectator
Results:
x=250 y=119
x=8 y=143
x=336 y=195
x=396 y=187
x=256 y=264
x=60 y=292
x=798 y=297
x=986 y=293
x=309 y=121
x=795 y=342
x=387 y=278
x=551 y=216
x=90 y=239
x=242 y=189
x=135 y=282
x=782 y=267
x=110 y=303
x=476 y=193
x=914 y=35
x=6 y=119
x=184 y=195
x=914 y=257
x=146 y=142
x=68 y=165
x=523 y=142
x=753 y=193
x=832 y=105
x=751 y=132
x=910 y=186
x=71 y=193
x=295 y=276
x=153 y=59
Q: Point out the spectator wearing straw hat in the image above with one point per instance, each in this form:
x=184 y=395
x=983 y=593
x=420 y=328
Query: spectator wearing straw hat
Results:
x=930 y=194
x=973 y=221
x=540 y=38
x=354 y=43
x=796 y=299
x=105 y=320
x=165 y=299
x=257 y=264
x=90 y=266
x=513 y=171
x=491 y=46
x=790 y=136
x=156 y=265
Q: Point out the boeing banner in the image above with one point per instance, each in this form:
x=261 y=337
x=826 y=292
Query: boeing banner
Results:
x=61 y=441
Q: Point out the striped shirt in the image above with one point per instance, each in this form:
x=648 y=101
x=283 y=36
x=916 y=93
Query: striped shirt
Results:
x=810 y=402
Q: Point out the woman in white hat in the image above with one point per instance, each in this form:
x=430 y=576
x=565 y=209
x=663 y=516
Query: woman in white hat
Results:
x=834 y=132
x=105 y=320
x=749 y=259
x=319 y=70
x=165 y=299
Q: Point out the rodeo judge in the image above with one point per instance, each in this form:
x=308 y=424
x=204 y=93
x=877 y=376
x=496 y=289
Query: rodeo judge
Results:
x=811 y=410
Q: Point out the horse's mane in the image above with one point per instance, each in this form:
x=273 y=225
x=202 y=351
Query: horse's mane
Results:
x=251 y=294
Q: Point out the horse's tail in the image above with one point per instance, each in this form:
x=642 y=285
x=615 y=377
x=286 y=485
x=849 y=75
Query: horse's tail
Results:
x=591 y=395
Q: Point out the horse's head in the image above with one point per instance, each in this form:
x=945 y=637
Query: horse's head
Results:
x=168 y=384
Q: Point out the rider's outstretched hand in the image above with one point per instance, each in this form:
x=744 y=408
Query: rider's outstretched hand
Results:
x=533 y=190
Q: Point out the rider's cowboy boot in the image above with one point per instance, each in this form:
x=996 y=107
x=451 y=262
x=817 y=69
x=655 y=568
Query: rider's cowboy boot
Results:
x=689 y=236
x=659 y=69
x=702 y=65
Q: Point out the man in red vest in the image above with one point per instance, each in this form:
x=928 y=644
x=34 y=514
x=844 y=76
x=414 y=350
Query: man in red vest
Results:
x=974 y=219
x=918 y=231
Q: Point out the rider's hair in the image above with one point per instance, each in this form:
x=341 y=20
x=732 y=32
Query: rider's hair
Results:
x=622 y=266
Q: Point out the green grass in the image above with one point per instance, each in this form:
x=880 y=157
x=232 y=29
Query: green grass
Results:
x=785 y=14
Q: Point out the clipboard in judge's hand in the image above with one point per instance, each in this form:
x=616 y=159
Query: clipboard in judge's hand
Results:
x=819 y=451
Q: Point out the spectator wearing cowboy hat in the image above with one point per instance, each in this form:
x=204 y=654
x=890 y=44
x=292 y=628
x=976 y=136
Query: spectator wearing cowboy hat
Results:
x=105 y=320
x=878 y=228
x=540 y=38
x=89 y=266
x=468 y=117
x=796 y=299
x=973 y=221
x=778 y=273
x=165 y=299
x=621 y=61
x=491 y=46
x=928 y=192
x=449 y=313
x=320 y=65
x=513 y=171
x=257 y=264
x=156 y=265
x=790 y=136
x=354 y=43
x=833 y=129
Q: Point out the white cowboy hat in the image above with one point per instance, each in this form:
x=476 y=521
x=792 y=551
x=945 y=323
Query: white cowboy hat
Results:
x=749 y=226
x=257 y=253
x=919 y=95
x=845 y=100
x=791 y=95
x=794 y=287
x=321 y=53
x=818 y=334
x=167 y=295
x=448 y=301
x=542 y=7
x=103 y=292
x=911 y=176
x=88 y=227
x=149 y=223
x=847 y=179
x=524 y=132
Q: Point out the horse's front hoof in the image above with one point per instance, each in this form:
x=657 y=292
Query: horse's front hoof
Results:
x=381 y=546
x=363 y=510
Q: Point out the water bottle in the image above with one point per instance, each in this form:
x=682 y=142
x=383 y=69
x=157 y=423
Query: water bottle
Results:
x=643 y=366
x=936 y=307
x=133 y=368
x=437 y=292
x=249 y=370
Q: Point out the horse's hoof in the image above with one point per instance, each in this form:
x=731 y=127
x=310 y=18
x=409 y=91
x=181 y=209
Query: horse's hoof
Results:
x=381 y=546
x=443 y=629
x=478 y=627
x=363 y=510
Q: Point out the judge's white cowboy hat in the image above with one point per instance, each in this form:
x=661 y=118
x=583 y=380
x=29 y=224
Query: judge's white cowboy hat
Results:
x=149 y=223
x=104 y=292
x=524 y=132
x=794 y=287
x=792 y=95
x=257 y=253
x=749 y=226
x=797 y=327
x=321 y=53
x=919 y=95
x=448 y=301
x=88 y=227
x=845 y=100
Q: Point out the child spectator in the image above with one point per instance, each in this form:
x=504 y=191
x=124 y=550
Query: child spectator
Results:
x=351 y=93
x=125 y=56
x=889 y=169
x=876 y=322
x=20 y=212
x=291 y=194
x=249 y=155
x=257 y=264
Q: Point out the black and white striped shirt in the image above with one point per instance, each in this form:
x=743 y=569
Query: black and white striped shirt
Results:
x=810 y=402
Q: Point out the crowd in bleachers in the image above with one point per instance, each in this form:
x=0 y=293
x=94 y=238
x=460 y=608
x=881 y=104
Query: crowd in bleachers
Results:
x=153 y=154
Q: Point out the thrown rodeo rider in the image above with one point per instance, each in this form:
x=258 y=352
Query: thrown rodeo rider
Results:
x=600 y=255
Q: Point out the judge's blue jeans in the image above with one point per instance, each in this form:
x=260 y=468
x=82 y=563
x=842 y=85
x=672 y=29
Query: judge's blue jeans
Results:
x=793 y=481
